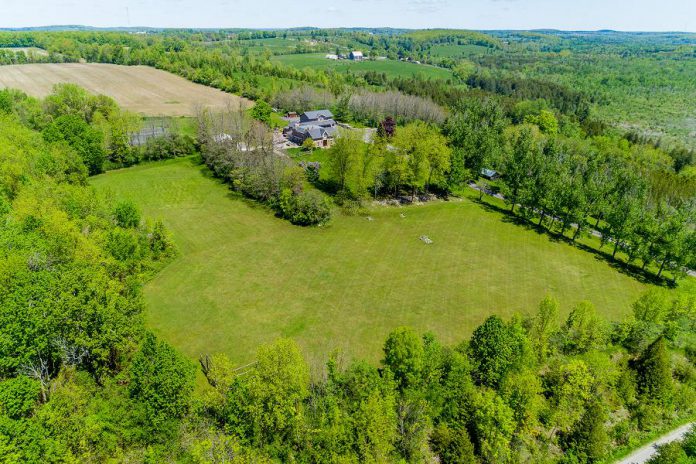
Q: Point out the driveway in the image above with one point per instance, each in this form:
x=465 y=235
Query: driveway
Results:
x=642 y=455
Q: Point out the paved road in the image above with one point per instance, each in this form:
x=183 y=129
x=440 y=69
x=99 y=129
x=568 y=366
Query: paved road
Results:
x=642 y=455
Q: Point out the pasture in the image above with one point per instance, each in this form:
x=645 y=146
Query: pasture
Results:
x=391 y=68
x=141 y=89
x=244 y=277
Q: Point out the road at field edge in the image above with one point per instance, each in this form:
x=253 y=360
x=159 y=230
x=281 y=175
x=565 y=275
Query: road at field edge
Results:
x=642 y=455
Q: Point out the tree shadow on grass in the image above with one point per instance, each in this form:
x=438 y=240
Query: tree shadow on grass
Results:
x=231 y=194
x=630 y=270
x=251 y=203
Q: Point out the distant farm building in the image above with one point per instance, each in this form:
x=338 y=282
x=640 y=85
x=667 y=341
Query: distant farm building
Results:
x=331 y=57
x=316 y=125
x=489 y=174
x=356 y=56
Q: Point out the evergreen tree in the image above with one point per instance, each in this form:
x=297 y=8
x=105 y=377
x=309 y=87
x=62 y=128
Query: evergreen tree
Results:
x=654 y=372
x=589 y=440
x=452 y=445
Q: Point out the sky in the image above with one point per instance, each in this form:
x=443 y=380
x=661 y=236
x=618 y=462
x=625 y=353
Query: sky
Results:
x=625 y=15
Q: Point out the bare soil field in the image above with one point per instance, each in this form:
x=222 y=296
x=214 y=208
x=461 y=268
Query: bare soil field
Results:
x=140 y=89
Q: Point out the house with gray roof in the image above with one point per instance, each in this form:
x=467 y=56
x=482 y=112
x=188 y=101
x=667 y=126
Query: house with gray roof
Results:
x=316 y=116
x=317 y=125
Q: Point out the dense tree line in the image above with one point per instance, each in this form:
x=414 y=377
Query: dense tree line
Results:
x=565 y=100
x=72 y=264
x=93 y=125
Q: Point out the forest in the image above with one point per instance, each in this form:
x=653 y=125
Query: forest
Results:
x=82 y=379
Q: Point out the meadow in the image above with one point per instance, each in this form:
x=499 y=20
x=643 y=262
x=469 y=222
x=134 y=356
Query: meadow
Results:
x=244 y=277
x=140 y=89
x=391 y=68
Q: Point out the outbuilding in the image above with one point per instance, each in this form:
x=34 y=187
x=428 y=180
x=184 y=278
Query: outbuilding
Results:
x=489 y=174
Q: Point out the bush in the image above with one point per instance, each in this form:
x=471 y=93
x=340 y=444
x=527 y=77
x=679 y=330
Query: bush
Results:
x=168 y=146
x=126 y=215
x=18 y=396
x=305 y=208
x=308 y=144
x=159 y=239
x=670 y=453
x=122 y=244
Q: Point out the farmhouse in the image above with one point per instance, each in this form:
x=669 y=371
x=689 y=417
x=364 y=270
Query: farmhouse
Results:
x=356 y=56
x=331 y=57
x=317 y=125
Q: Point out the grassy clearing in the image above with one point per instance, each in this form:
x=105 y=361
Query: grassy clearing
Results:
x=140 y=89
x=276 y=44
x=245 y=277
x=390 y=67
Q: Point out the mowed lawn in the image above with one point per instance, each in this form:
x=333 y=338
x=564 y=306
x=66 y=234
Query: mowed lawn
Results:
x=244 y=277
x=141 y=89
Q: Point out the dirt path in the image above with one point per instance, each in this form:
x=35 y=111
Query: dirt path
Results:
x=642 y=455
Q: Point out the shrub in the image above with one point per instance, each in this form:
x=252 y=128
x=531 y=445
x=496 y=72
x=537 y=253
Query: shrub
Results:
x=122 y=244
x=126 y=215
x=308 y=144
x=305 y=208
x=159 y=239
x=168 y=146
x=18 y=396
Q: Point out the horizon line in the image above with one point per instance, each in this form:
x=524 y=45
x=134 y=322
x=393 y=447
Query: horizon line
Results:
x=287 y=28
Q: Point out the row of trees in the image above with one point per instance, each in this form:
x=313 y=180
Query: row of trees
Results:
x=628 y=194
x=365 y=107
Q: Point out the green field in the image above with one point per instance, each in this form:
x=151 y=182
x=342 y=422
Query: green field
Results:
x=244 y=277
x=272 y=44
x=390 y=67
x=458 y=51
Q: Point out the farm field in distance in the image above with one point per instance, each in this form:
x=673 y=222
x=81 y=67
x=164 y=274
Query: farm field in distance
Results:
x=390 y=67
x=140 y=89
x=244 y=277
